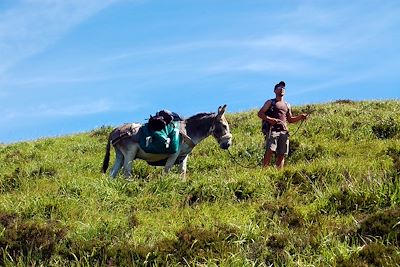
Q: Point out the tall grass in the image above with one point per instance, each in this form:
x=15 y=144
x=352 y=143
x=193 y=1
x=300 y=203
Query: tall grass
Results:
x=336 y=203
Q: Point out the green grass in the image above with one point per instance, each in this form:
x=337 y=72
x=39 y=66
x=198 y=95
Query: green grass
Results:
x=336 y=203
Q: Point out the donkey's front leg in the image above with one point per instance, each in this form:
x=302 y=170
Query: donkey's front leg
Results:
x=170 y=162
x=182 y=167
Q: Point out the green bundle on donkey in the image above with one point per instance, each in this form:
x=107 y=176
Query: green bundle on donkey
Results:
x=161 y=134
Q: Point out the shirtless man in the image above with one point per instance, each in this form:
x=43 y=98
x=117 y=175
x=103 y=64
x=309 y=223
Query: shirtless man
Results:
x=275 y=114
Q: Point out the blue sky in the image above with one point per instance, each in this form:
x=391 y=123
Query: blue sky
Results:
x=68 y=66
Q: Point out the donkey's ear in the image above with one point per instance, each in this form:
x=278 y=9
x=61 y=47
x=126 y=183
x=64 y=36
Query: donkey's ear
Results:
x=221 y=110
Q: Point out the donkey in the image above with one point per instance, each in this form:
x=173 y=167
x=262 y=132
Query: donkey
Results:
x=193 y=130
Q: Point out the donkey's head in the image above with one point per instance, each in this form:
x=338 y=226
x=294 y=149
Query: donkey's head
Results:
x=220 y=129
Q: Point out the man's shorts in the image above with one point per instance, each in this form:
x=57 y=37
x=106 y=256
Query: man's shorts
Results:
x=278 y=142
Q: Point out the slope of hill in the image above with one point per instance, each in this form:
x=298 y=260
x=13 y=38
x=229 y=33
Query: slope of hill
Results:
x=336 y=203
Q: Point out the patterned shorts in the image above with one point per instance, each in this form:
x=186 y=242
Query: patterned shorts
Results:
x=278 y=142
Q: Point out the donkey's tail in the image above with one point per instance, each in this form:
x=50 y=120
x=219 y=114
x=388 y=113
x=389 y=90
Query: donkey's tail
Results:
x=107 y=156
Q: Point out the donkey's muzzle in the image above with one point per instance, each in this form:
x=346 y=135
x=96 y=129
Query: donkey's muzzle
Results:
x=225 y=145
x=225 y=141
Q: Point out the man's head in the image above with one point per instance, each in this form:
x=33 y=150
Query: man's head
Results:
x=279 y=88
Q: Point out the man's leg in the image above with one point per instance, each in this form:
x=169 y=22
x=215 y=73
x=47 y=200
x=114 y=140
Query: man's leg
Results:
x=270 y=148
x=282 y=149
x=267 y=157
x=280 y=161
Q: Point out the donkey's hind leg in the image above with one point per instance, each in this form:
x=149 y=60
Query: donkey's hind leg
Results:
x=129 y=156
x=119 y=160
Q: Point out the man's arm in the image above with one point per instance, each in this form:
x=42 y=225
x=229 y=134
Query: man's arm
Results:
x=263 y=110
x=293 y=119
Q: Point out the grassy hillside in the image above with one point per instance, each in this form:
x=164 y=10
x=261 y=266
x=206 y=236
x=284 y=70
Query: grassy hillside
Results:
x=336 y=203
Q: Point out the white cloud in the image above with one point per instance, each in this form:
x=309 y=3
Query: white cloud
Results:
x=306 y=44
x=55 y=78
x=46 y=111
x=29 y=26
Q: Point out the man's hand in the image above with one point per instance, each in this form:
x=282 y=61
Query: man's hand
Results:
x=275 y=121
x=304 y=116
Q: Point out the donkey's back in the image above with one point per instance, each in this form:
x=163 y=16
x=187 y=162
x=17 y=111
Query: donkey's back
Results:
x=121 y=134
